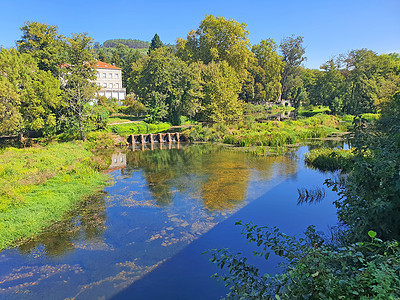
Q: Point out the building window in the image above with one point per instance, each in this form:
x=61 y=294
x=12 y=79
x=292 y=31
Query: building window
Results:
x=104 y=85
x=117 y=86
x=116 y=75
x=110 y=85
x=110 y=75
x=104 y=75
x=98 y=75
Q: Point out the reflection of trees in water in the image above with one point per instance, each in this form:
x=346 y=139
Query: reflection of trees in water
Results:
x=270 y=166
x=219 y=176
x=226 y=185
x=163 y=169
x=87 y=220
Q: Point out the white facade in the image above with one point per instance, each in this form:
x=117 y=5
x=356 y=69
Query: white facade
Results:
x=109 y=79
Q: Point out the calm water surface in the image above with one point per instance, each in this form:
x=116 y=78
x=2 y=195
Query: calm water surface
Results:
x=147 y=230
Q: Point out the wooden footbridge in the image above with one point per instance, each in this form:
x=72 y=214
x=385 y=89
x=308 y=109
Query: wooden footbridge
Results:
x=175 y=137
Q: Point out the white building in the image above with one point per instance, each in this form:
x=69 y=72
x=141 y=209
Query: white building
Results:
x=109 y=79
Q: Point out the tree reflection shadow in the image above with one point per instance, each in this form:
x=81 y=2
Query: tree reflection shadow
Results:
x=219 y=176
x=87 y=222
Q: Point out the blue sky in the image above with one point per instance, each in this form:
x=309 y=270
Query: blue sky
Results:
x=329 y=27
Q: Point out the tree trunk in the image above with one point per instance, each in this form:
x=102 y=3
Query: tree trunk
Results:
x=81 y=129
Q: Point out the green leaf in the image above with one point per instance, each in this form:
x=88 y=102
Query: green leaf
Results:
x=372 y=234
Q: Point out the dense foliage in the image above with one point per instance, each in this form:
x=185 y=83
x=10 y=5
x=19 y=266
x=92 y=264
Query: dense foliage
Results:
x=208 y=76
x=273 y=133
x=315 y=268
x=29 y=97
x=135 y=44
x=349 y=264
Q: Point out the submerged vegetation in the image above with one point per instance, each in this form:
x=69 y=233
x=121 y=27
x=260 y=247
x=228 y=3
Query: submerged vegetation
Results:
x=39 y=185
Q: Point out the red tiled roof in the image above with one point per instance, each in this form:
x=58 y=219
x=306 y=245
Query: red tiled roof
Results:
x=103 y=65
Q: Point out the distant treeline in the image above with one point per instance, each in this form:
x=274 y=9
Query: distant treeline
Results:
x=133 y=44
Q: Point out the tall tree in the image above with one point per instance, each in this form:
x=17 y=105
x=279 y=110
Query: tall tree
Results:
x=293 y=55
x=79 y=78
x=155 y=44
x=271 y=68
x=43 y=42
x=168 y=87
x=29 y=97
x=217 y=39
x=221 y=88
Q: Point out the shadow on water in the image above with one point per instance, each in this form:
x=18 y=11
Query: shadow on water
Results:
x=162 y=199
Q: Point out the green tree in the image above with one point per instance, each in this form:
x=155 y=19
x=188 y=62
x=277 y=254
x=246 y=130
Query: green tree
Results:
x=116 y=59
x=221 y=88
x=272 y=66
x=102 y=56
x=155 y=44
x=293 y=55
x=168 y=87
x=217 y=39
x=128 y=64
x=329 y=88
x=371 y=78
x=29 y=97
x=43 y=42
x=78 y=78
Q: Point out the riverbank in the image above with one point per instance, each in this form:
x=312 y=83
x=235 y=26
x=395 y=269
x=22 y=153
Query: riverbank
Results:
x=271 y=133
x=39 y=185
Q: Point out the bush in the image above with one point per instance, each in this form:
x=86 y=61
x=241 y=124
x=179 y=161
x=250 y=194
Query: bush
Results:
x=98 y=139
x=314 y=268
x=139 y=128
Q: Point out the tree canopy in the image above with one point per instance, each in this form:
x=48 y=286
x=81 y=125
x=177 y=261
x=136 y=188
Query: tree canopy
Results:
x=78 y=78
x=29 y=97
x=43 y=42
x=167 y=86
x=217 y=39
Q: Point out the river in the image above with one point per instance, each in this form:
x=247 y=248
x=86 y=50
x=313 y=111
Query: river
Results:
x=144 y=235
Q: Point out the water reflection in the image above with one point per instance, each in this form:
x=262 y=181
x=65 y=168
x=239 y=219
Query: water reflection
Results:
x=226 y=183
x=85 y=222
x=163 y=198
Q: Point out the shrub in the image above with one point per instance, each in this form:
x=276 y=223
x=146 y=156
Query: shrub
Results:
x=314 y=268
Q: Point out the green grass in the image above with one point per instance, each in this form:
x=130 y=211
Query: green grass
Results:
x=310 y=111
x=272 y=133
x=39 y=185
x=123 y=119
x=139 y=128
x=327 y=159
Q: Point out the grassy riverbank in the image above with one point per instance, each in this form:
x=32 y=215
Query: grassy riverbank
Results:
x=39 y=185
x=272 y=133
